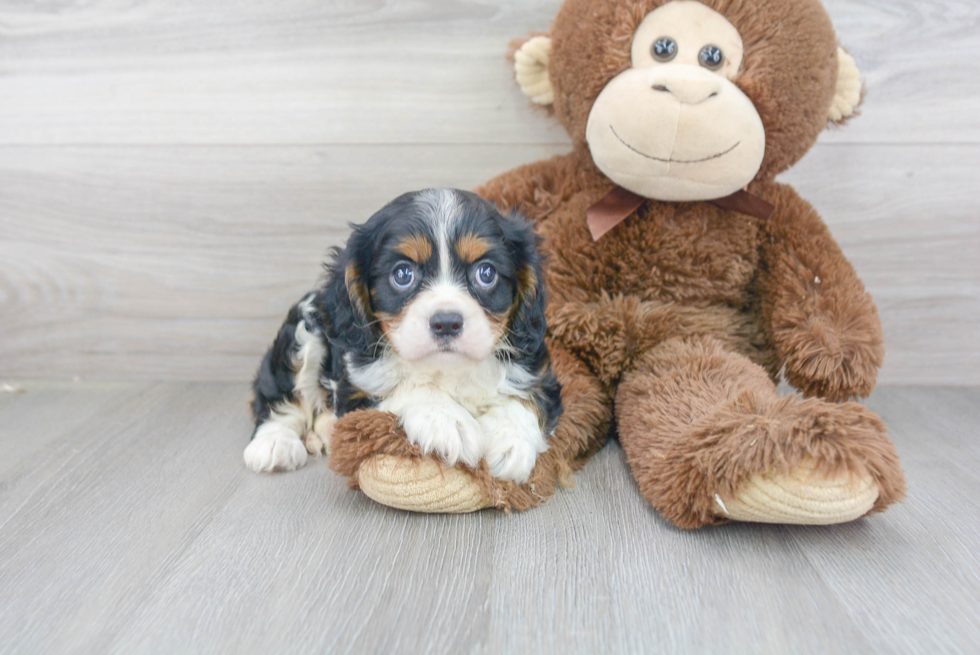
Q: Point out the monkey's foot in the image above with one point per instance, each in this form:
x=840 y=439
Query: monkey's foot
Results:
x=420 y=485
x=803 y=496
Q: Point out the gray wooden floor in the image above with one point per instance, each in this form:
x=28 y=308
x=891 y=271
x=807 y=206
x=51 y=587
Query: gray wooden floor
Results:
x=128 y=524
x=171 y=175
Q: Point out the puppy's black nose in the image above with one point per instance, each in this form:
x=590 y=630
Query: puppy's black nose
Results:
x=446 y=324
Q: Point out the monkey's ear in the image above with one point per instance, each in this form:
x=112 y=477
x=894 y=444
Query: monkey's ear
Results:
x=531 y=68
x=848 y=95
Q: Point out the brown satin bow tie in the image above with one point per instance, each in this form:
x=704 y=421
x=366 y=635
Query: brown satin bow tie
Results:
x=620 y=203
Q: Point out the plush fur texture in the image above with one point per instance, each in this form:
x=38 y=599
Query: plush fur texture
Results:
x=687 y=313
x=776 y=295
x=697 y=420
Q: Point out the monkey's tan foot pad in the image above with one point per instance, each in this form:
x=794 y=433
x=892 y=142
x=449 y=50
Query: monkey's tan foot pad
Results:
x=420 y=486
x=802 y=497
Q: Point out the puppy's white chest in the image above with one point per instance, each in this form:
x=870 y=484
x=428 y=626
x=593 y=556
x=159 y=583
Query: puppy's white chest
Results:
x=476 y=389
x=462 y=413
x=468 y=416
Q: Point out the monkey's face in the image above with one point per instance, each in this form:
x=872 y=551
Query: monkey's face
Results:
x=684 y=100
x=674 y=126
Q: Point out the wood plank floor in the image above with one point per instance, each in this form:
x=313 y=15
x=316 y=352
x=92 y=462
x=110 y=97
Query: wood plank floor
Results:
x=128 y=524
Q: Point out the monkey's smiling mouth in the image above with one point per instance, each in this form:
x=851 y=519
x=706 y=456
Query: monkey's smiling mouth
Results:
x=673 y=161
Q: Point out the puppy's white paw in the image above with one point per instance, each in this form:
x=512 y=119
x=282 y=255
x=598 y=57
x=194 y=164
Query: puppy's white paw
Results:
x=275 y=448
x=314 y=445
x=317 y=440
x=512 y=441
x=445 y=429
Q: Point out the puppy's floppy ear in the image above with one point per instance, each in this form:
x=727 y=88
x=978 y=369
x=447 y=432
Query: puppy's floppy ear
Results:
x=347 y=296
x=527 y=323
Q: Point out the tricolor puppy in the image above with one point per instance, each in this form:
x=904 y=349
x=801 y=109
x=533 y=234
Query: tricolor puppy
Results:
x=434 y=312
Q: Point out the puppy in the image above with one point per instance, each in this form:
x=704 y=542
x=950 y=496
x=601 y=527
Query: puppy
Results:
x=434 y=312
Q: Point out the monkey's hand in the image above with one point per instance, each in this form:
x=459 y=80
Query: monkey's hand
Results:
x=828 y=336
x=823 y=323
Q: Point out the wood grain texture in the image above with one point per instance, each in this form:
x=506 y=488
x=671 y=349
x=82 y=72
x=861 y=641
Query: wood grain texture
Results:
x=172 y=173
x=392 y=71
x=46 y=421
x=180 y=263
x=144 y=533
x=92 y=527
x=889 y=574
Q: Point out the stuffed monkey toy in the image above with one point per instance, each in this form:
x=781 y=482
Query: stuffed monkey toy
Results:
x=683 y=279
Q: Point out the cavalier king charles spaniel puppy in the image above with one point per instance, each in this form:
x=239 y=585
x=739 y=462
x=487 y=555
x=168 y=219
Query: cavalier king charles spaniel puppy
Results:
x=434 y=312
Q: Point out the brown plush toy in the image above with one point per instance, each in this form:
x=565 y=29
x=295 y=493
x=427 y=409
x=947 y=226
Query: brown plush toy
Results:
x=683 y=278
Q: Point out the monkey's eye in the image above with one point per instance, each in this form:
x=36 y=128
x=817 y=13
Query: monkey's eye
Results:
x=486 y=276
x=711 y=57
x=664 y=49
x=403 y=277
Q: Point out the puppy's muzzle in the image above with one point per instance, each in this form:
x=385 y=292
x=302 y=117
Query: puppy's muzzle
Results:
x=446 y=325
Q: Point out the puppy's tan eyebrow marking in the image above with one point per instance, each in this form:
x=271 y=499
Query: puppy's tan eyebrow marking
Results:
x=416 y=247
x=471 y=247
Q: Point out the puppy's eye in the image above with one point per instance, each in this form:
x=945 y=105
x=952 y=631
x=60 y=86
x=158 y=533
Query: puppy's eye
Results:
x=486 y=276
x=711 y=57
x=403 y=277
x=664 y=49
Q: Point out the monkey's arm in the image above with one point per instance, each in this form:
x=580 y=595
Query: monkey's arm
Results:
x=822 y=321
x=534 y=189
